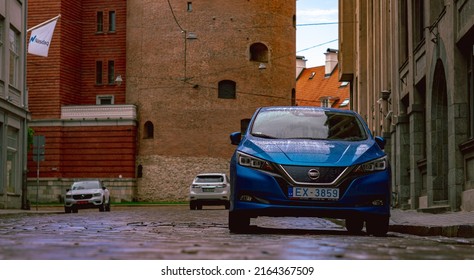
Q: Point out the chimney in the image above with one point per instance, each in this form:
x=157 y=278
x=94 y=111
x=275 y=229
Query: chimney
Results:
x=300 y=65
x=331 y=61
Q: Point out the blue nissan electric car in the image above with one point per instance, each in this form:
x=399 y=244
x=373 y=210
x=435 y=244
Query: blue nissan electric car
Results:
x=310 y=161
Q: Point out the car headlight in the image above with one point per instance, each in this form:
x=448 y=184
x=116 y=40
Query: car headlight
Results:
x=379 y=164
x=68 y=195
x=97 y=194
x=253 y=162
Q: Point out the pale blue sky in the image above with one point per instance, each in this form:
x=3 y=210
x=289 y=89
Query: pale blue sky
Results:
x=311 y=40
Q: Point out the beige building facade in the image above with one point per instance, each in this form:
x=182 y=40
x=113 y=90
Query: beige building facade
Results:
x=410 y=64
x=13 y=104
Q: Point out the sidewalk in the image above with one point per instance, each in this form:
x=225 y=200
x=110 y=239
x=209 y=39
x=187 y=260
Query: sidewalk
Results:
x=451 y=224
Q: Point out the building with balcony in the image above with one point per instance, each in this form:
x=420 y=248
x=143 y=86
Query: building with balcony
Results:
x=410 y=64
x=13 y=105
x=77 y=100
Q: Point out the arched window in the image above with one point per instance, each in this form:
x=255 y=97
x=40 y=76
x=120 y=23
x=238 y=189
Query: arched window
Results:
x=148 y=130
x=259 y=52
x=227 y=89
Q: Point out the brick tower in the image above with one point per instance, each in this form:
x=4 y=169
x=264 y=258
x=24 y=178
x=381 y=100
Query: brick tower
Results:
x=196 y=70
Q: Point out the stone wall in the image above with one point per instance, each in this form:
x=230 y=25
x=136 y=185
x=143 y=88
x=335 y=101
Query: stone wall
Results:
x=52 y=190
x=168 y=178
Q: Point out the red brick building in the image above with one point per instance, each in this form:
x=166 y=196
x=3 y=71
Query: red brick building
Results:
x=75 y=101
x=320 y=86
x=192 y=72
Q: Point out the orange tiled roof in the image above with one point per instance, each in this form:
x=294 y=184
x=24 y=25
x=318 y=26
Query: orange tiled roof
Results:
x=312 y=87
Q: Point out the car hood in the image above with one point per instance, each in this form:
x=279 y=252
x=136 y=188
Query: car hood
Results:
x=310 y=152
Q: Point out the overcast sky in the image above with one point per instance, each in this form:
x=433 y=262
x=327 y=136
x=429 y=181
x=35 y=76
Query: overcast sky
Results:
x=312 y=40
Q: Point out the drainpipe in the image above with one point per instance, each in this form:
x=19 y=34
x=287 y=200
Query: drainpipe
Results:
x=24 y=188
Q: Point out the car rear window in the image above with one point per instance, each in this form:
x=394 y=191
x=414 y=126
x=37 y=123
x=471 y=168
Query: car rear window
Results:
x=209 y=179
x=307 y=123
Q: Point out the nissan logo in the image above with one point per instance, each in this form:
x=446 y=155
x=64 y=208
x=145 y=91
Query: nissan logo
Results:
x=313 y=174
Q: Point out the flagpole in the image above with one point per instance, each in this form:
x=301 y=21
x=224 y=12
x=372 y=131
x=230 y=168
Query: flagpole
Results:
x=44 y=23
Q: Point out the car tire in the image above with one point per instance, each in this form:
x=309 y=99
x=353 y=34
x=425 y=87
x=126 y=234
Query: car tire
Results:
x=67 y=209
x=74 y=209
x=198 y=206
x=192 y=205
x=377 y=226
x=238 y=223
x=102 y=206
x=354 y=225
x=227 y=205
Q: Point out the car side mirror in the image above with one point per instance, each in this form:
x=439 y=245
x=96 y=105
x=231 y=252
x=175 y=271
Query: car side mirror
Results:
x=235 y=138
x=67 y=190
x=104 y=188
x=380 y=141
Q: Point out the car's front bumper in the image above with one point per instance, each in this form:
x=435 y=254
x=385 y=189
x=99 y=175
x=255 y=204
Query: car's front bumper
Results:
x=84 y=204
x=256 y=193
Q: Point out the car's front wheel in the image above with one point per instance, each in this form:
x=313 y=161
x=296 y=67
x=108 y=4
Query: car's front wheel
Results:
x=354 y=225
x=107 y=206
x=238 y=223
x=377 y=226
x=67 y=209
x=102 y=206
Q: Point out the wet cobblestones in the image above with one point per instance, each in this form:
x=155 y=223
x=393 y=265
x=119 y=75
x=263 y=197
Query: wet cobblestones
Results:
x=176 y=233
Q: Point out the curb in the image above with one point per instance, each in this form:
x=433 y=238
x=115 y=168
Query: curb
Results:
x=465 y=231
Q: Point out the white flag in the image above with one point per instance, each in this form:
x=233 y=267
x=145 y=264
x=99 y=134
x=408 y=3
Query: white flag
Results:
x=40 y=39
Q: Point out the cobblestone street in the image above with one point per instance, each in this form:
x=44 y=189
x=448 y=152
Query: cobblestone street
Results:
x=177 y=233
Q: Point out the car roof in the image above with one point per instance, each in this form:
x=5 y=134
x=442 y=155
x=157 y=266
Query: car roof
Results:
x=210 y=174
x=322 y=109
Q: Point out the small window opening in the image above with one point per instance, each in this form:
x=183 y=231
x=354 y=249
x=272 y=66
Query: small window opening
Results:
x=148 y=130
x=259 y=52
x=227 y=89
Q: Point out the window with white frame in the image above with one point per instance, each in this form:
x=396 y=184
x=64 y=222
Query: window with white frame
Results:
x=14 y=38
x=325 y=102
x=104 y=99
x=12 y=159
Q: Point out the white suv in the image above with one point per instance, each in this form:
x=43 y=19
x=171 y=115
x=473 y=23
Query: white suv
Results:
x=87 y=194
x=209 y=189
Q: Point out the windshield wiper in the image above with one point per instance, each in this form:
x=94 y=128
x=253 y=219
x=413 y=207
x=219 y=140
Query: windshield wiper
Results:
x=263 y=135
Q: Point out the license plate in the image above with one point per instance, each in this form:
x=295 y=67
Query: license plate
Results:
x=82 y=202
x=207 y=190
x=313 y=193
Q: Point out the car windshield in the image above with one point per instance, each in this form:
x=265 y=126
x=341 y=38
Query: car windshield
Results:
x=307 y=123
x=209 y=179
x=85 y=186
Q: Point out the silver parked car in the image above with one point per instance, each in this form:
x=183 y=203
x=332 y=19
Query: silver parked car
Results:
x=87 y=194
x=209 y=189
